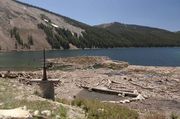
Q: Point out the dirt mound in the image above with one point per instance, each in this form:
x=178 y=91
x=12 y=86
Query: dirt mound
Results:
x=87 y=62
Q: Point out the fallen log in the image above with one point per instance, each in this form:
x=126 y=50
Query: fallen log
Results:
x=40 y=80
x=147 y=88
x=122 y=90
x=108 y=91
x=40 y=117
x=116 y=82
x=138 y=98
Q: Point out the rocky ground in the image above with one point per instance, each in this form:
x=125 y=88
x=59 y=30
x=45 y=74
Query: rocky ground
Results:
x=160 y=86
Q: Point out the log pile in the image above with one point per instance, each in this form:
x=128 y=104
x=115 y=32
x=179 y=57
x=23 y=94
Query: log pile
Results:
x=133 y=95
x=112 y=92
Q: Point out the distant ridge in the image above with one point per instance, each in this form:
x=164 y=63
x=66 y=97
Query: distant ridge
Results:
x=137 y=34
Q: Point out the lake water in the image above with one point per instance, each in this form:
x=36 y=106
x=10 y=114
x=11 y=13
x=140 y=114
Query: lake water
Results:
x=136 y=56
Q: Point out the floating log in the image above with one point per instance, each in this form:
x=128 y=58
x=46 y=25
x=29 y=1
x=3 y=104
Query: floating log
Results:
x=108 y=91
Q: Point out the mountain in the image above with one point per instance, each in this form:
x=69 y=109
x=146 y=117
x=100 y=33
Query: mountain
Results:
x=178 y=32
x=141 y=36
x=19 y=26
x=27 y=27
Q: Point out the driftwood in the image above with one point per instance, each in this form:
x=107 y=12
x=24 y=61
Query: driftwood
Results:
x=108 y=91
x=147 y=88
x=122 y=90
x=49 y=80
x=40 y=117
x=138 y=98
x=115 y=82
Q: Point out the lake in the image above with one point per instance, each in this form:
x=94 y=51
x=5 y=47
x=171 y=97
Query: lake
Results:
x=136 y=56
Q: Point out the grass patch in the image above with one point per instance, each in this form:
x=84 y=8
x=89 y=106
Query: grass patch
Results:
x=155 y=115
x=97 y=110
x=174 y=116
x=8 y=92
x=37 y=105
x=64 y=101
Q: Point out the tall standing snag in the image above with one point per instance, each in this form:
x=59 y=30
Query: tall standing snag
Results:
x=46 y=86
x=44 y=66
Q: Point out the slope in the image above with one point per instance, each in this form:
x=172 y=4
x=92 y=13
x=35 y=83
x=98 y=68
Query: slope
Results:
x=141 y=36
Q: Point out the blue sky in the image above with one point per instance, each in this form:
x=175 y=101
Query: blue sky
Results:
x=156 y=13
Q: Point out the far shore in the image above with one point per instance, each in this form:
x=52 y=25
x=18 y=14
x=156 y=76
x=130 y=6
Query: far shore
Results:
x=38 y=50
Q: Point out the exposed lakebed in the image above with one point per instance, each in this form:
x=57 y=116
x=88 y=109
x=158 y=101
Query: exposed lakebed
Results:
x=159 y=85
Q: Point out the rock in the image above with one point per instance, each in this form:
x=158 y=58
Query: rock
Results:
x=135 y=92
x=124 y=101
x=3 y=75
x=100 y=110
x=46 y=113
x=24 y=108
x=145 y=96
x=14 y=85
x=58 y=117
x=17 y=113
x=129 y=79
x=139 y=97
x=36 y=113
x=177 y=80
x=121 y=95
x=90 y=89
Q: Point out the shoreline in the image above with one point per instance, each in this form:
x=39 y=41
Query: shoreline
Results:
x=33 y=50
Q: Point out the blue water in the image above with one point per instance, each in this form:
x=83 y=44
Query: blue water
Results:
x=136 y=56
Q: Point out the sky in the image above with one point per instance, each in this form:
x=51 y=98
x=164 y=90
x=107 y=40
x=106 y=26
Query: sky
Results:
x=163 y=14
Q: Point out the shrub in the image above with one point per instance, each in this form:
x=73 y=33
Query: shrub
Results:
x=15 y=33
x=174 y=116
x=30 y=40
